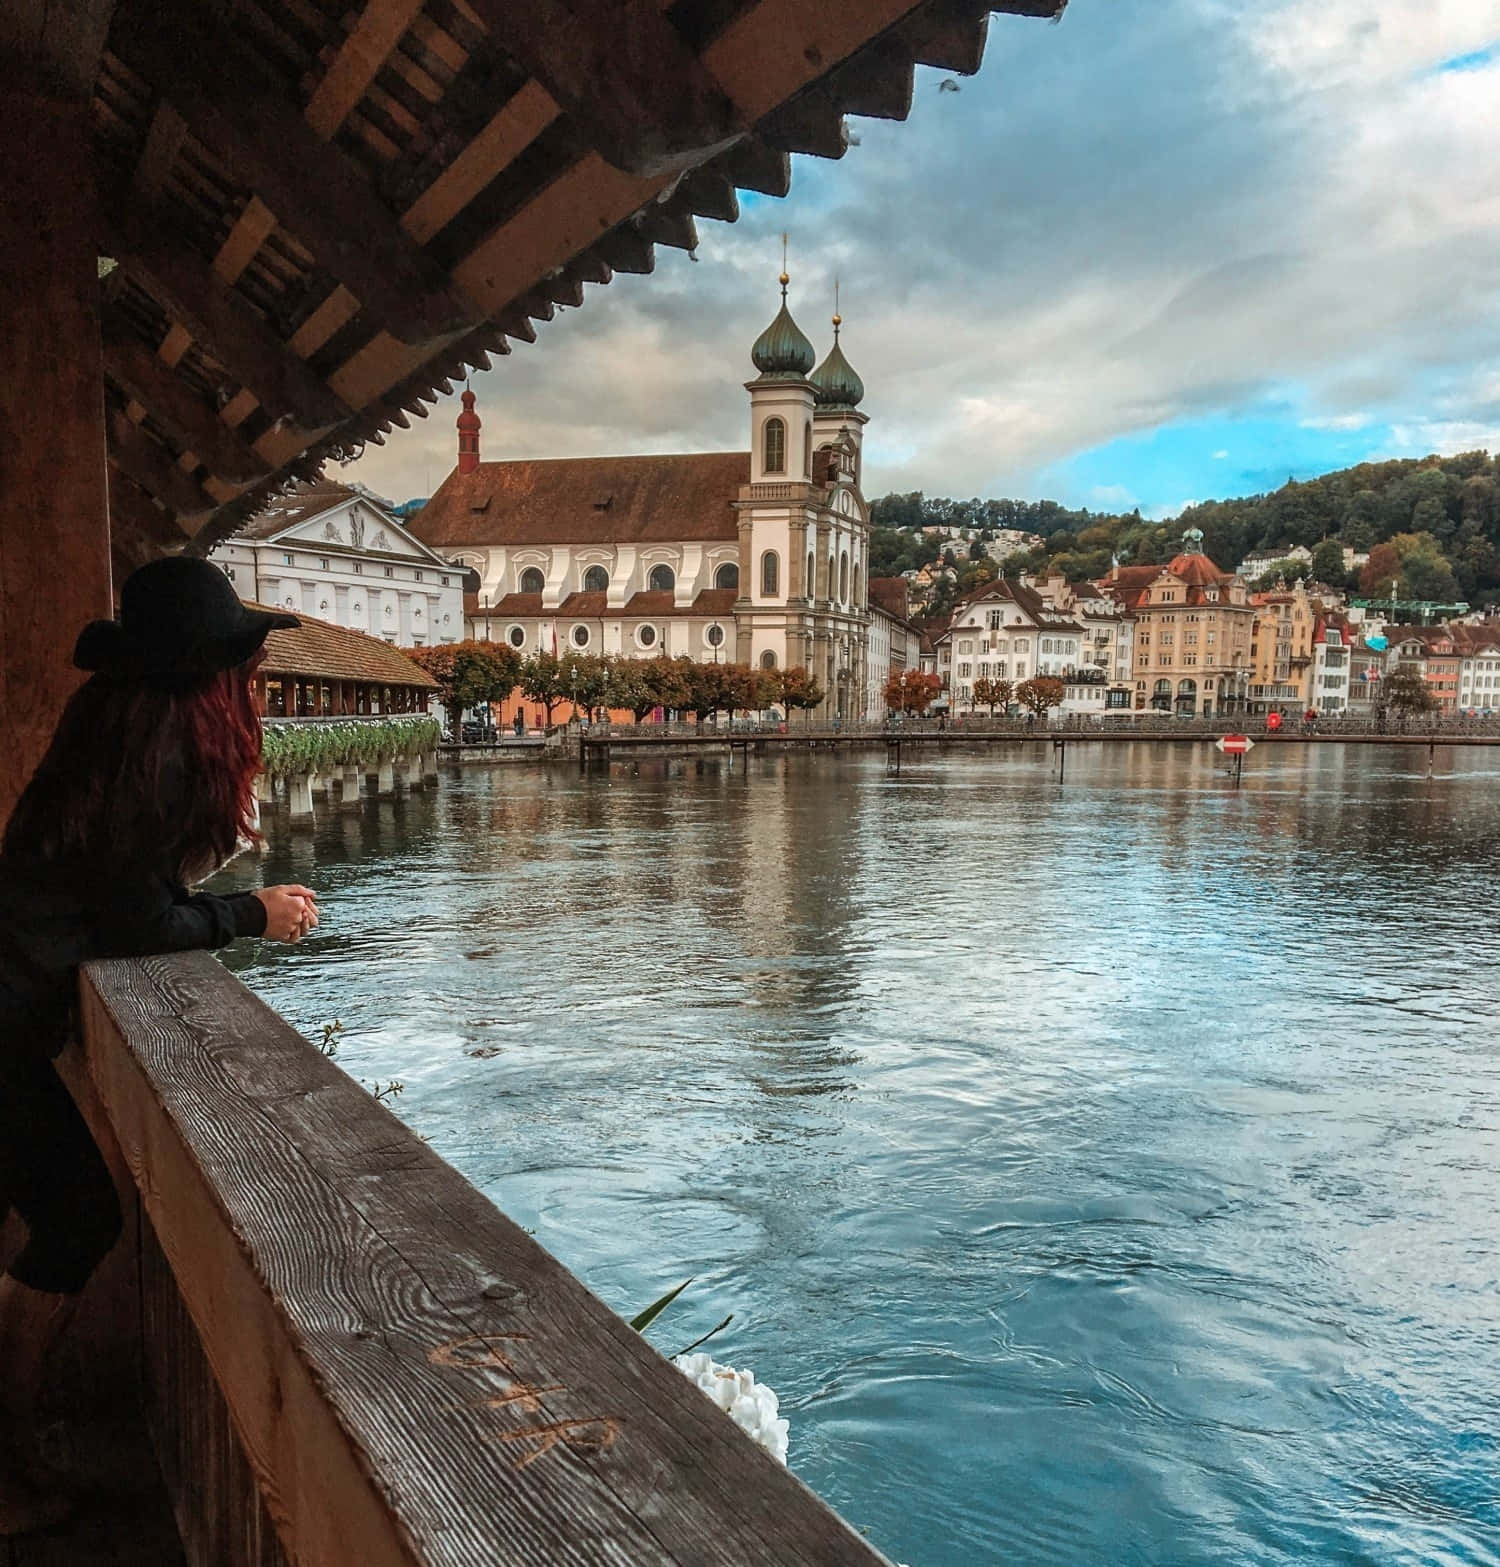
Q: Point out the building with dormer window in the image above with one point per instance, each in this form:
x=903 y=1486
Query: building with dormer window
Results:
x=335 y=553
x=1194 y=626
x=754 y=557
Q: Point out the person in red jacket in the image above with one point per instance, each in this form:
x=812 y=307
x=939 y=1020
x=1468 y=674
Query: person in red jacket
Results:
x=146 y=787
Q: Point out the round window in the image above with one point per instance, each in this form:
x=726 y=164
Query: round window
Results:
x=516 y=636
x=646 y=636
x=580 y=636
x=714 y=636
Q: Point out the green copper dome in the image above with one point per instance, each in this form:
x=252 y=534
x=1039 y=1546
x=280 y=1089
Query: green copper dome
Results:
x=782 y=349
x=835 y=385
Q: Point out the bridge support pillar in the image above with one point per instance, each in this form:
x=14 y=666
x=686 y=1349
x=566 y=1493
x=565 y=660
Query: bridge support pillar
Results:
x=385 y=784
x=416 y=777
x=430 y=767
x=299 y=797
x=354 y=785
x=265 y=788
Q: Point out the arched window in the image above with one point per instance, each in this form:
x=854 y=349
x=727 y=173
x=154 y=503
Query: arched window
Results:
x=532 y=580
x=1187 y=688
x=807 y=451
x=811 y=588
x=844 y=578
x=830 y=582
x=727 y=576
x=768 y=659
x=857 y=600
x=662 y=579
x=596 y=580
x=770 y=574
x=774 y=446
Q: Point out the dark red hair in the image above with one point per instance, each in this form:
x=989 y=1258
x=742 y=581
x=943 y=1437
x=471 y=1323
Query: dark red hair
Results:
x=142 y=777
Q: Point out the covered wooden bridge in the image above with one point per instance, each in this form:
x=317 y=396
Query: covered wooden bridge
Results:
x=241 y=237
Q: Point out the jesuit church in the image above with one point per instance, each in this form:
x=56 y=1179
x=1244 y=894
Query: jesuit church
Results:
x=755 y=557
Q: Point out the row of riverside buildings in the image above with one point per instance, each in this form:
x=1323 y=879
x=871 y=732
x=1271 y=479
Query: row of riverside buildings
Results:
x=753 y=557
x=761 y=557
x=1191 y=639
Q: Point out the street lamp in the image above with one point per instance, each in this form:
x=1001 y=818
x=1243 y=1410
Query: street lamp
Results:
x=573 y=689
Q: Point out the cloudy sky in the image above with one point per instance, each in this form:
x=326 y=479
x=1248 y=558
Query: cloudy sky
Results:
x=1163 y=251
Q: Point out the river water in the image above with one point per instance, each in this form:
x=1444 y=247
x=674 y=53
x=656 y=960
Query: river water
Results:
x=1101 y=1173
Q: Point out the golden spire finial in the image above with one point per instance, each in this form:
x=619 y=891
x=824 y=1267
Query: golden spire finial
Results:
x=784 y=278
x=838 y=320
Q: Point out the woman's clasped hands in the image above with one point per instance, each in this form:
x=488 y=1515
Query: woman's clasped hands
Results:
x=290 y=912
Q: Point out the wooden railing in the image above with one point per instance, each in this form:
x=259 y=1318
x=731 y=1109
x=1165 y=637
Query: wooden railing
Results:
x=352 y=1357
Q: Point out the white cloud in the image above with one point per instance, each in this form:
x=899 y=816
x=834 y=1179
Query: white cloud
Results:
x=1236 y=201
x=1221 y=455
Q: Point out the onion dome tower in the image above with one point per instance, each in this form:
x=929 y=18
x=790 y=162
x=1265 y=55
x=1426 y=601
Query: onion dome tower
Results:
x=835 y=383
x=782 y=349
x=781 y=399
x=837 y=394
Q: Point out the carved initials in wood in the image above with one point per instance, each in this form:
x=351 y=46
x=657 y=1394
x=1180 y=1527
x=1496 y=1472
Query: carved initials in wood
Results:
x=590 y=1436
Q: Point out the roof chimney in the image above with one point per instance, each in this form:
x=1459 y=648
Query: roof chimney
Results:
x=468 y=435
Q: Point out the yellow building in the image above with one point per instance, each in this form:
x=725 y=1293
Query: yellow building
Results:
x=1193 y=632
x=1281 y=649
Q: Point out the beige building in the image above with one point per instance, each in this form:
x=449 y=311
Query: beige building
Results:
x=1193 y=632
x=755 y=557
x=1282 y=650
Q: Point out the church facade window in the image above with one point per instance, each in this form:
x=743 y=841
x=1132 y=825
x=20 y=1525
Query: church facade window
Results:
x=645 y=636
x=579 y=636
x=714 y=636
x=806 y=451
x=516 y=636
x=532 y=580
x=770 y=574
x=844 y=578
x=768 y=659
x=773 y=446
x=662 y=579
x=727 y=576
x=596 y=580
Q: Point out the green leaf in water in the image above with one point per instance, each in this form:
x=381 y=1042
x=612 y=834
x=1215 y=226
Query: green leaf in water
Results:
x=655 y=1309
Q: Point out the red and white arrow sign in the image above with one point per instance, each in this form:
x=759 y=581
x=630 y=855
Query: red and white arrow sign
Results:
x=1235 y=745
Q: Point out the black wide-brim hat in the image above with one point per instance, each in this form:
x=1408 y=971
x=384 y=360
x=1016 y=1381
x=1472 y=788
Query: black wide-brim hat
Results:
x=180 y=620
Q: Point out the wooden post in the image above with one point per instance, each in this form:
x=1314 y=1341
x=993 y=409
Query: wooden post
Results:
x=54 y=524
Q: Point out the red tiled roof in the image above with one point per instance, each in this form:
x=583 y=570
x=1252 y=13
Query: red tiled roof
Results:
x=588 y=500
x=715 y=601
x=890 y=594
x=588 y=605
x=323 y=651
x=520 y=604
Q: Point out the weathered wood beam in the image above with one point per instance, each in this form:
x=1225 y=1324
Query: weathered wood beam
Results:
x=149 y=531
x=226 y=328
x=668 y=223
x=768 y=52
x=53 y=49
x=948 y=35
x=164 y=141
x=54 y=524
x=623 y=75
x=320 y=195
x=876 y=83
x=710 y=195
x=626 y=250
x=358 y=62
x=150 y=466
x=811 y=123
x=755 y=165
x=176 y=407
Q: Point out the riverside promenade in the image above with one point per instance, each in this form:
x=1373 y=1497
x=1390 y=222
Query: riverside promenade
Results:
x=599 y=745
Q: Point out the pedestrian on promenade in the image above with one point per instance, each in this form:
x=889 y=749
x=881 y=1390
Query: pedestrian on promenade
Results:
x=146 y=787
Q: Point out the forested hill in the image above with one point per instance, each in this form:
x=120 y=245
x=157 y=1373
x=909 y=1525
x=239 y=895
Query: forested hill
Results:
x=1432 y=526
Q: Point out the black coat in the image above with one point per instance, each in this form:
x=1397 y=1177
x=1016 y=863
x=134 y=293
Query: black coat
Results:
x=52 y=918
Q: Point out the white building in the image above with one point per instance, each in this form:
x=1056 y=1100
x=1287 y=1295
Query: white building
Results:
x=1004 y=631
x=894 y=645
x=1478 y=668
x=754 y=557
x=1332 y=666
x=333 y=552
x=1107 y=648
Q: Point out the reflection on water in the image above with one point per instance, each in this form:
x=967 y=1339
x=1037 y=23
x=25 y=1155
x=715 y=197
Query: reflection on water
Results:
x=1102 y=1173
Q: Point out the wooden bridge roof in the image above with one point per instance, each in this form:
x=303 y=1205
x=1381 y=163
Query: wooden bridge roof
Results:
x=320 y=650
x=322 y=213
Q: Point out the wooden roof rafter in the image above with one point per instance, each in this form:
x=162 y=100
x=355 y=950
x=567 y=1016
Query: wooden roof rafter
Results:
x=328 y=215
